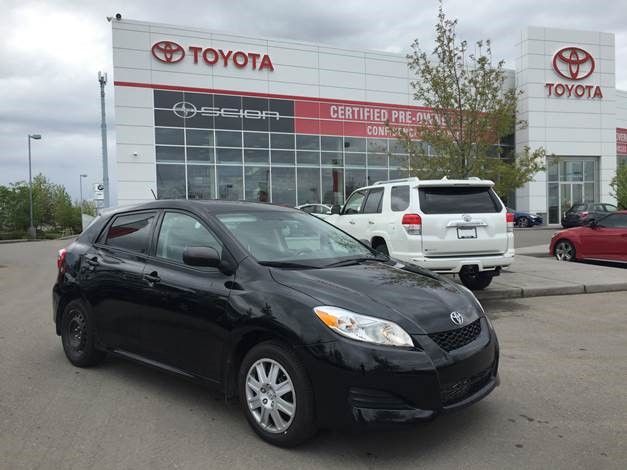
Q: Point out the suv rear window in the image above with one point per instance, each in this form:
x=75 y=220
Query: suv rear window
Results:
x=457 y=200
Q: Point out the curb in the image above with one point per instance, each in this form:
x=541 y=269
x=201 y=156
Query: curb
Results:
x=519 y=293
x=27 y=240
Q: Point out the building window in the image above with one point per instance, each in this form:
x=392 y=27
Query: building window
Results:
x=170 y=154
x=308 y=185
x=171 y=181
x=230 y=182
x=284 y=186
x=200 y=182
x=257 y=184
x=332 y=186
x=571 y=181
x=169 y=136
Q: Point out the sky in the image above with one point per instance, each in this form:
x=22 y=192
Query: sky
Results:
x=53 y=50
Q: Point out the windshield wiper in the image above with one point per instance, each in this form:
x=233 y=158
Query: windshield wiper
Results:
x=287 y=264
x=357 y=260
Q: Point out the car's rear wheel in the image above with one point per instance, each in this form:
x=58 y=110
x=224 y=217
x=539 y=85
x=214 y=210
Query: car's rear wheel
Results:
x=523 y=222
x=476 y=280
x=276 y=395
x=381 y=247
x=564 y=251
x=77 y=336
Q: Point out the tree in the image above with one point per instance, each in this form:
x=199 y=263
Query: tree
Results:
x=472 y=112
x=619 y=186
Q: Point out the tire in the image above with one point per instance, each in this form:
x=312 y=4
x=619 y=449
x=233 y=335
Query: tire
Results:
x=523 y=222
x=564 y=251
x=77 y=336
x=382 y=248
x=476 y=280
x=288 y=430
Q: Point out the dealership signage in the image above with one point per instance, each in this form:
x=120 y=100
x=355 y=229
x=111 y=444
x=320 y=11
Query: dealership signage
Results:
x=170 y=52
x=621 y=141
x=573 y=64
x=184 y=109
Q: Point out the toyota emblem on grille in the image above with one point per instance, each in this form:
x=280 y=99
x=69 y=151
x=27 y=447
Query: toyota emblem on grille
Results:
x=457 y=318
x=184 y=109
x=168 y=52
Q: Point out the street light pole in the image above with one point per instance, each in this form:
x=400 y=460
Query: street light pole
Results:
x=102 y=79
x=32 y=233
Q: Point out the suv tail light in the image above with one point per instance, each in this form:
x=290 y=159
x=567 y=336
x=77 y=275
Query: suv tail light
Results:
x=61 y=259
x=412 y=223
x=509 y=218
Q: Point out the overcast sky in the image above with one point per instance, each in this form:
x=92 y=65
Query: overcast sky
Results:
x=53 y=50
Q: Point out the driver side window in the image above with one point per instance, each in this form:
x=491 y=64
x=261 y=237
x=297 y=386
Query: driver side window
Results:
x=354 y=203
x=179 y=231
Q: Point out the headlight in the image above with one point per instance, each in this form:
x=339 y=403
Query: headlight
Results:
x=362 y=327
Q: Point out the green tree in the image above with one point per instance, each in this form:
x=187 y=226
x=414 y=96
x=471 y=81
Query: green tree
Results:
x=619 y=186
x=472 y=112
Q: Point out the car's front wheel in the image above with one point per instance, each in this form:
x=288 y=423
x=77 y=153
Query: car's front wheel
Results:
x=276 y=395
x=78 y=336
x=564 y=251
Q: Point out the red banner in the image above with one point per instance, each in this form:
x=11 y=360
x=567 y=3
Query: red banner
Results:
x=621 y=141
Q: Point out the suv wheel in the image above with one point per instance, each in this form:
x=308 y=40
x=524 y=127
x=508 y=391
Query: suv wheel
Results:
x=381 y=247
x=77 y=336
x=476 y=280
x=276 y=395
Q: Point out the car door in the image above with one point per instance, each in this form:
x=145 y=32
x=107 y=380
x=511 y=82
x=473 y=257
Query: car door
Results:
x=612 y=237
x=351 y=219
x=111 y=279
x=184 y=323
x=374 y=220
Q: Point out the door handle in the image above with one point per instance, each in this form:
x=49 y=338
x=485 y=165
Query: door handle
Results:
x=93 y=261
x=352 y=222
x=152 y=277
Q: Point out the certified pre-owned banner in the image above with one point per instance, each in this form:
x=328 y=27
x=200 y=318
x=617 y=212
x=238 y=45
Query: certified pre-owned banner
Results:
x=274 y=113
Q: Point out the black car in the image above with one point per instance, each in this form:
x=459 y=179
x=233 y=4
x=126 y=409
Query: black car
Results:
x=579 y=213
x=306 y=325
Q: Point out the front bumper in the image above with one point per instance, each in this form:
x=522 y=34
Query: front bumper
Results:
x=360 y=384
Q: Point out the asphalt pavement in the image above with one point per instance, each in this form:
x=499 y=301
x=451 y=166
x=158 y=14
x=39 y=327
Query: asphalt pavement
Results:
x=561 y=403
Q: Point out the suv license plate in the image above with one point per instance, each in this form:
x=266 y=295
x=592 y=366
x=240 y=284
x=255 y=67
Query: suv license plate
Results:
x=466 y=232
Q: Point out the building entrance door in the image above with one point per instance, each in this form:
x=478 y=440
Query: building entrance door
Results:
x=570 y=181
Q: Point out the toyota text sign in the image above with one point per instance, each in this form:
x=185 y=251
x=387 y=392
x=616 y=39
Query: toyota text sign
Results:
x=573 y=64
x=170 y=53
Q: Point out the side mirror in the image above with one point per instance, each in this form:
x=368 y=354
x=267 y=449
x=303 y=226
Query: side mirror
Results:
x=202 y=256
x=336 y=209
x=365 y=242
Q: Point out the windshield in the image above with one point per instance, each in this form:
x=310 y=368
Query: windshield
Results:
x=297 y=238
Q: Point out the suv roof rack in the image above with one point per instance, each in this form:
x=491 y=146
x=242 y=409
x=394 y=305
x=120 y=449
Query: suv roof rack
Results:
x=412 y=179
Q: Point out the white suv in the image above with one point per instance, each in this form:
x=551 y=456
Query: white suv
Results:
x=448 y=226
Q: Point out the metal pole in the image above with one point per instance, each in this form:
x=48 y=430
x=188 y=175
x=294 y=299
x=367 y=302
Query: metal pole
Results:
x=80 y=183
x=102 y=79
x=31 y=229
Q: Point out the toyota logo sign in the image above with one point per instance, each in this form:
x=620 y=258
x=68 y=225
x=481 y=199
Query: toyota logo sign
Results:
x=573 y=63
x=457 y=318
x=168 y=52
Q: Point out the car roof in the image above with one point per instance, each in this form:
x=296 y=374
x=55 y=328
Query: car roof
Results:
x=214 y=206
x=443 y=182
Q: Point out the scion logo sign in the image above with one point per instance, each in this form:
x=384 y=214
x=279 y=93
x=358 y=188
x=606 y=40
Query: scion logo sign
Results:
x=171 y=52
x=573 y=63
x=168 y=52
x=186 y=110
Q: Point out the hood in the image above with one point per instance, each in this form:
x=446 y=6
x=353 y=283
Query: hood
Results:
x=420 y=303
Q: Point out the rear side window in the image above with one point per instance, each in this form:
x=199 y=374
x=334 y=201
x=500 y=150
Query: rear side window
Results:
x=458 y=200
x=373 y=201
x=131 y=232
x=614 y=221
x=399 y=198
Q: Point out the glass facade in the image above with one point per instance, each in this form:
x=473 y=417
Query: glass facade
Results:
x=211 y=146
x=571 y=181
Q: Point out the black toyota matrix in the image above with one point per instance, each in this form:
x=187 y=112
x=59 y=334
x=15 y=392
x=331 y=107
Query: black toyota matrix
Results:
x=308 y=326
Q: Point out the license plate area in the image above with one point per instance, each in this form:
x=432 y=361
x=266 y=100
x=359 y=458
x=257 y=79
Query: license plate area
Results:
x=464 y=233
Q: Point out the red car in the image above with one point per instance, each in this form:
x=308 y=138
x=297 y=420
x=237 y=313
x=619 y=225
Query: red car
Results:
x=600 y=239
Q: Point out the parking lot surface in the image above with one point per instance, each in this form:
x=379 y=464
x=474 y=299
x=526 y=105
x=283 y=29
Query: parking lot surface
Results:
x=561 y=403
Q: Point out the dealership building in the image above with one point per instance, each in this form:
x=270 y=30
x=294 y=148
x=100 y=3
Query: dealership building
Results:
x=205 y=115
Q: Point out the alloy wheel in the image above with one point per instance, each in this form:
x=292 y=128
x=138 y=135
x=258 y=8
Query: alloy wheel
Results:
x=270 y=395
x=564 y=251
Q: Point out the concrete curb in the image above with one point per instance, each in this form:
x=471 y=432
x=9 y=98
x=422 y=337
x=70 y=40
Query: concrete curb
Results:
x=516 y=293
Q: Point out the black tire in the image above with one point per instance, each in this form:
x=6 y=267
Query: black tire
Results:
x=77 y=336
x=302 y=426
x=523 y=222
x=478 y=280
x=381 y=247
x=564 y=251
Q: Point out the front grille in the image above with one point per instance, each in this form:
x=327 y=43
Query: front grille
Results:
x=457 y=391
x=377 y=399
x=455 y=339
